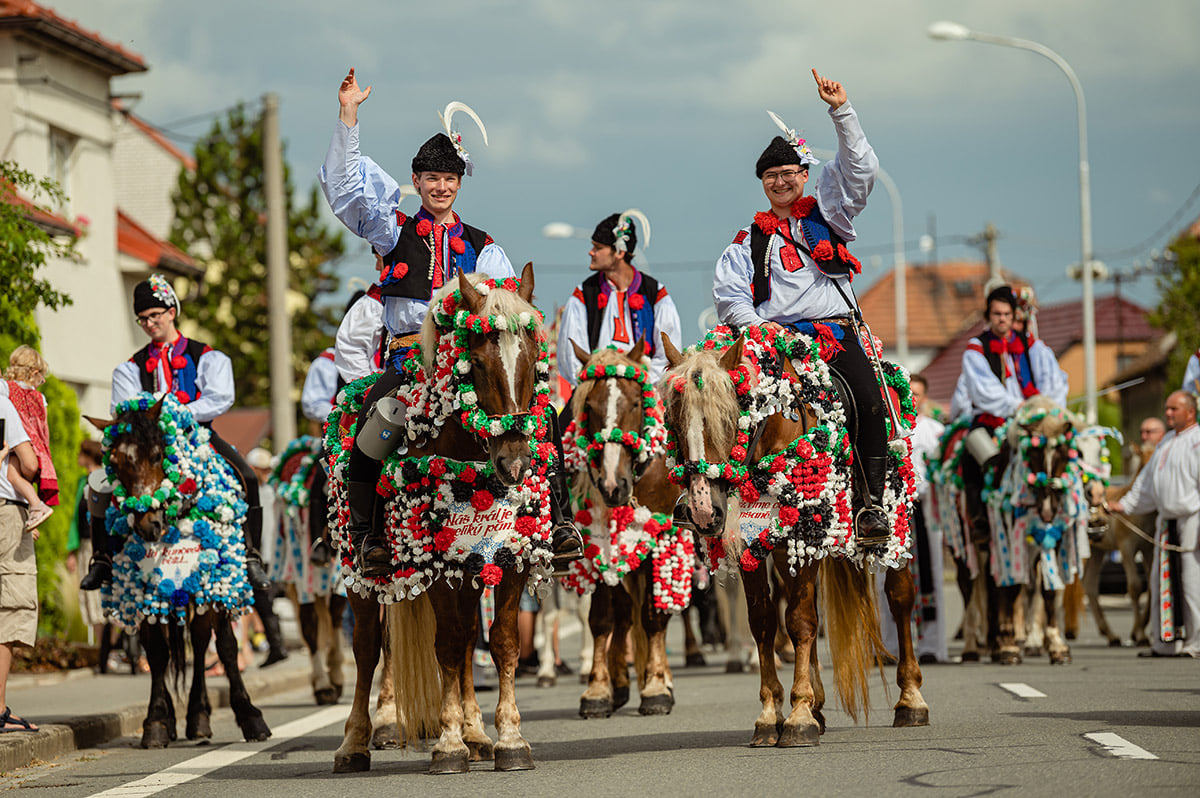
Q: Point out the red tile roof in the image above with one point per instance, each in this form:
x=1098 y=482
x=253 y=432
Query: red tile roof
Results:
x=158 y=138
x=136 y=241
x=39 y=20
x=52 y=223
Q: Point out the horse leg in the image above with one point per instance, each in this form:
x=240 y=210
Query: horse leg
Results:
x=386 y=721
x=587 y=643
x=310 y=630
x=335 y=658
x=199 y=709
x=1134 y=587
x=1056 y=646
x=478 y=743
x=450 y=754
x=764 y=618
x=1029 y=620
x=976 y=632
x=693 y=656
x=353 y=756
x=802 y=727
x=512 y=751
x=618 y=646
x=657 y=686
x=547 y=617
x=248 y=716
x=597 y=699
x=158 y=729
x=1091 y=587
x=814 y=677
x=1002 y=633
x=1072 y=609
x=911 y=709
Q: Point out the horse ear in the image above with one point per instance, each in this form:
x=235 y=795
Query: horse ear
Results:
x=526 y=289
x=733 y=355
x=673 y=356
x=99 y=423
x=156 y=409
x=471 y=298
x=639 y=350
x=581 y=354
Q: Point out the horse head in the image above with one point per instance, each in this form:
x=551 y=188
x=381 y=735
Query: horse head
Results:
x=503 y=367
x=1043 y=433
x=610 y=415
x=702 y=414
x=135 y=457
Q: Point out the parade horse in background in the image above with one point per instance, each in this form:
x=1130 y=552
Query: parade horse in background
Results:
x=317 y=590
x=477 y=397
x=759 y=441
x=636 y=561
x=178 y=510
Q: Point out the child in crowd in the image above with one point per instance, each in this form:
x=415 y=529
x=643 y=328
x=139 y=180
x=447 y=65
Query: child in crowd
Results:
x=25 y=374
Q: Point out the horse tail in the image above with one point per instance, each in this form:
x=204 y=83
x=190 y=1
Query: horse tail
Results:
x=411 y=630
x=641 y=644
x=848 y=596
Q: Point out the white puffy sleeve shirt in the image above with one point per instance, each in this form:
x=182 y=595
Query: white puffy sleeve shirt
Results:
x=320 y=387
x=1170 y=482
x=1191 y=374
x=841 y=192
x=214 y=379
x=358 y=338
x=988 y=394
x=365 y=198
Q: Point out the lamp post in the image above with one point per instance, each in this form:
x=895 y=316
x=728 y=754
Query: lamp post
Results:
x=953 y=31
x=564 y=230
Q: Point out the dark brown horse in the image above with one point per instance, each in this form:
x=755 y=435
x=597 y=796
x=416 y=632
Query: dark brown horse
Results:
x=432 y=631
x=703 y=414
x=623 y=475
x=136 y=451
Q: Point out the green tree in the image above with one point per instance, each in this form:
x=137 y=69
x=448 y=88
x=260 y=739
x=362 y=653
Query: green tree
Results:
x=1179 y=306
x=25 y=246
x=220 y=212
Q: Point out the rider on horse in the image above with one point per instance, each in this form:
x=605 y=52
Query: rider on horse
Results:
x=1191 y=374
x=791 y=269
x=199 y=377
x=420 y=254
x=618 y=304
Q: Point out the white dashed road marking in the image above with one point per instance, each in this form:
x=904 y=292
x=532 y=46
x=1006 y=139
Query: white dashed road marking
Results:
x=1022 y=690
x=1118 y=746
x=204 y=764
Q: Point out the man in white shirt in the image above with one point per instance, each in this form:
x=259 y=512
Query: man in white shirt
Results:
x=1170 y=484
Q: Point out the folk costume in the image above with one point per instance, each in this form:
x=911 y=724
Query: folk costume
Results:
x=797 y=272
x=1170 y=484
x=201 y=378
x=320 y=387
x=597 y=314
x=358 y=348
x=1191 y=374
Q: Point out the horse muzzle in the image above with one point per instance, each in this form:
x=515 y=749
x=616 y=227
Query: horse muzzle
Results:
x=510 y=457
x=149 y=525
x=706 y=506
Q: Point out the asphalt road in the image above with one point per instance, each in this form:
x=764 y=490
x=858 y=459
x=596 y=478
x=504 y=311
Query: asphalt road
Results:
x=995 y=730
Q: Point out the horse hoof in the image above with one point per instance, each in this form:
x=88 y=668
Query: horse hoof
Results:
x=970 y=656
x=1060 y=657
x=765 y=735
x=514 y=758
x=198 y=728
x=819 y=716
x=695 y=660
x=1070 y=635
x=481 y=752
x=595 y=708
x=386 y=737
x=1114 y=642
x=1033 y=652
x=547 y=681
x=326 y=696
x=799 y=736
x=255 y=729
x=339 y=688
x=735 y=666
x=656 y=704
x=156 y=735
x=449 y=762
x=620 y=697
x=358 y=762
x=911 y=716
x=1007 y=657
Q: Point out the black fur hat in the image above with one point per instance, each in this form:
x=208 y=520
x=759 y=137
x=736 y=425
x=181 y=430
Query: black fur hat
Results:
x=777 y=153
x=438 y=155
x=605 y=233
x=154 y=293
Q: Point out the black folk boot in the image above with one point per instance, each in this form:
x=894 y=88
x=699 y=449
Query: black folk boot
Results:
x=871 y=522
x=565 y=540
x=371 y=552
x=256 y=575
x=100 y=568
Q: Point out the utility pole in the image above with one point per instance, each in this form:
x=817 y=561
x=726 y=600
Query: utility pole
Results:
x=283 y=412
x=987 y=242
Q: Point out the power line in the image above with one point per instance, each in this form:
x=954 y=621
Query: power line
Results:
x=1158 y=234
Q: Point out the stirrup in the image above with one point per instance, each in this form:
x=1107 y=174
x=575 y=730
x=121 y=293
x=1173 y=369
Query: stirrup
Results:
x=883 y=532
x=562 y=556
x=373 y=565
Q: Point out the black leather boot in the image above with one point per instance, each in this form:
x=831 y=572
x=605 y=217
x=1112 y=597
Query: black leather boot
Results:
x=565 y=540
x=100 y=568
x=256 y=575
x=276 y=650
x=371 y=552
x=871 y=522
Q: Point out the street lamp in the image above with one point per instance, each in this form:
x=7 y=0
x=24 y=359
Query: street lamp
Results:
x=953 y=31
x=564 y=230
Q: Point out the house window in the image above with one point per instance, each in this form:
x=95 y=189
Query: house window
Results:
x=62 y=146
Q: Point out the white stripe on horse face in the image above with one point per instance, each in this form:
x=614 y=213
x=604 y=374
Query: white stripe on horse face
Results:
x=612 y=451
x=695 y=438
x=510 y=350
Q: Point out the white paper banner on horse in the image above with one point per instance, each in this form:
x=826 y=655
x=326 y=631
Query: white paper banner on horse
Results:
x=756 y=517
x=480 y=532
x=177 y=561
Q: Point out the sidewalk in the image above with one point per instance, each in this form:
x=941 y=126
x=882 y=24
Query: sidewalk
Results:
x=81 y=709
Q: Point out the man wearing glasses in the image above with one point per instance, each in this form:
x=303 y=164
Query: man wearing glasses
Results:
x=790 y=269
x=199 y=377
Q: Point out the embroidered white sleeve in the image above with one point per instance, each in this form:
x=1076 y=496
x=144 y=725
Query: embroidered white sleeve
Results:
x=1049 y=377
x=320 y=387
x=357 y=339
x=125 y=384
x=360 y=193
x=846 y=181
x=494 y=263
x=1191 y=375
x=987 y=393
x=214 y=380
x=732 y=292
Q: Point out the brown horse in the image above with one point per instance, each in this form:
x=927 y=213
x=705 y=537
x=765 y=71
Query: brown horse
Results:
x=136 y=445
x=703 y=414
x=624 y=473
x=433 y=627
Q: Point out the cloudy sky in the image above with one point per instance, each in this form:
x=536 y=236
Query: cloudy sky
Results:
x=595 y=107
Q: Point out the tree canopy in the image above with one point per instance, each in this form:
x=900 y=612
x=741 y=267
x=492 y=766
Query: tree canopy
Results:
x=1179 y=306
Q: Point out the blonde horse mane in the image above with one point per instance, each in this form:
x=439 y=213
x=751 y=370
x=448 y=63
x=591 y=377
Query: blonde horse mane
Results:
x=496 y=302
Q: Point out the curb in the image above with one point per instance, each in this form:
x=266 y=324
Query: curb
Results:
x=20 y=749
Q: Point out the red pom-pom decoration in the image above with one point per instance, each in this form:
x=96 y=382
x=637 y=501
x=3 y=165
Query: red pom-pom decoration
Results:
x=183 y=397
x=437 y=467
x=748 y=562
x=187 y=486
x=444 y=539
x=424 y=227
x=467 y=474
x=457 y=245
x=399 y=270
x=823 y=251
x=491 y=574
x=803 y=206
x=637 y=301
x=602 y=301
x=789 y=515
x=178 y=362
x=151 y=365
x=481 y=500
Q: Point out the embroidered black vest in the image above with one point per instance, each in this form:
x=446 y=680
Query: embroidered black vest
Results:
x=643 y=318
x=413 y=251
x=814 y=230
x=149 y=379
x=993 y=358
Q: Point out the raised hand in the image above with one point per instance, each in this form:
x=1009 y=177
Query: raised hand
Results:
x=830 y=90
x=350 y=96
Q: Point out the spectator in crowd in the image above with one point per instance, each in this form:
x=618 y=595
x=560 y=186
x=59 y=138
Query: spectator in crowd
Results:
x=261 y=461
x=18 y=566
x=25 y=374
x=80 y=545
